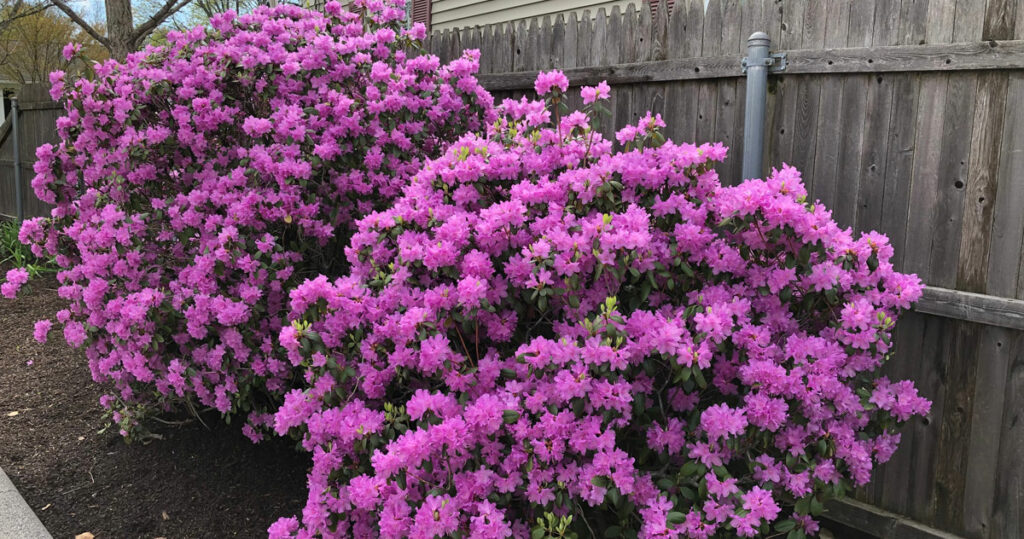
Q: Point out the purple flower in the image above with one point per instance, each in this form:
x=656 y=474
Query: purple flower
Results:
x=42 y=329
x=549 y=80
x=721 y=421
x=15 y=279
x=591 y=94
x=71 y=50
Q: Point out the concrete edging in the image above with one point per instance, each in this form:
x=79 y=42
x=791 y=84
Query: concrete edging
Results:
x=17 y=520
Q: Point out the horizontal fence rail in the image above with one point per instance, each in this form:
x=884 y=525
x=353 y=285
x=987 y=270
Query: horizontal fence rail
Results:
x=901 y=59
x=969 y=307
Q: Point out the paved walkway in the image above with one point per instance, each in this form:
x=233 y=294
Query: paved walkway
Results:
x=17 y=521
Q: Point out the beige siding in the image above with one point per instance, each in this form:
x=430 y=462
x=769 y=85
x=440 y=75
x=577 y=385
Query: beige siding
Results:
x=461 y=13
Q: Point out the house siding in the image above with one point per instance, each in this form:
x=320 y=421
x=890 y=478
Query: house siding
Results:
x=451 y=14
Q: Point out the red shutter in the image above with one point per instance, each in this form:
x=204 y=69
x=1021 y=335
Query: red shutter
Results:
x=421 y=12
x=667 y=3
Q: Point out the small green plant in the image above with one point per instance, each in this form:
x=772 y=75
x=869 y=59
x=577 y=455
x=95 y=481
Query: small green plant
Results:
x=16 y=254
x=553 y=527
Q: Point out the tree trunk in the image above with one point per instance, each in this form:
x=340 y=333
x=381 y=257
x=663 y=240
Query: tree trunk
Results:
x=120 y=28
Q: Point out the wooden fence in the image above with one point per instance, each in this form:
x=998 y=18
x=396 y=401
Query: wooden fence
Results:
x=36 y=125
x=905 y=116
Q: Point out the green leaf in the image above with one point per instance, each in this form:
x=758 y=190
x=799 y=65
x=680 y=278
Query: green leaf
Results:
x=785 y=525
x=510 y=416
x=612 y=532
x=817 y=507
x=614 y=497
x=803 y=506
x=699 y=377
x=538 y=533
x=675 y=517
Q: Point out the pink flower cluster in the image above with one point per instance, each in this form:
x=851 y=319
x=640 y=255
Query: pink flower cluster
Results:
x=14 y=280
x=196 y=185
x=544 y=334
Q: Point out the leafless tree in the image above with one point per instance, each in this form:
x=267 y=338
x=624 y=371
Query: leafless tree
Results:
x=123 y=36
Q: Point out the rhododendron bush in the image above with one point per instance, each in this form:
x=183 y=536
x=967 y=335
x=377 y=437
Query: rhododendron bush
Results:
x=197 y=184
x=479 y=323
x=547 y=337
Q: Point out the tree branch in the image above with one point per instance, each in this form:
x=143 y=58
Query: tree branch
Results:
x=16 y=12
x=167 y=10
x=59 y=4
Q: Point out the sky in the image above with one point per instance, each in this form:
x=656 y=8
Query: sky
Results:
x=92 y=11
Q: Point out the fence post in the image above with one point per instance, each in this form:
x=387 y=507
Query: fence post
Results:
x=18 y=204
x=756 y=65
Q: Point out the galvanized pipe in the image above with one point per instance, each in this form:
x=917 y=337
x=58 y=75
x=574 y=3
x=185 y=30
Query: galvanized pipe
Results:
x=17 y=161
x=757 y=62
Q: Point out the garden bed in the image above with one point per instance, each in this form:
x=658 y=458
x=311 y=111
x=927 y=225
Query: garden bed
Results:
x=196 y=482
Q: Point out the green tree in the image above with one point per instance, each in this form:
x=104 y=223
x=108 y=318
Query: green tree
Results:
x=31 y=46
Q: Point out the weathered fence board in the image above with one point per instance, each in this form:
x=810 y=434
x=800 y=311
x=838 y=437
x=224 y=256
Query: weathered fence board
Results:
x=905 y=117
x=982 y=174
x=1008 y=219
x=1008 y=513
x=986 y=423
x=36 y=125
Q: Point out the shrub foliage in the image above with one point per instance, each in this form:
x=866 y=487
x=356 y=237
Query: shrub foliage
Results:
x=480 y=323
x=547 y=337
x=197 y=184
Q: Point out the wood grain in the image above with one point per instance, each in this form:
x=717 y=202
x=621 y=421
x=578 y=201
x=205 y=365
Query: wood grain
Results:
x=986 y=422
x=1008 y=513
x=879 y=523
x=982 y=183
x=995 y=55
x=1008 y=219
x=977 y=308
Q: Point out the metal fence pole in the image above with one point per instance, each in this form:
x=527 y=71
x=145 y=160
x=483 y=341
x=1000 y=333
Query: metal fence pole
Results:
x=17 y=161
x=756 y=63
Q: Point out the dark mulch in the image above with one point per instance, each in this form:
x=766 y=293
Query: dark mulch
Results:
x=196 y=482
